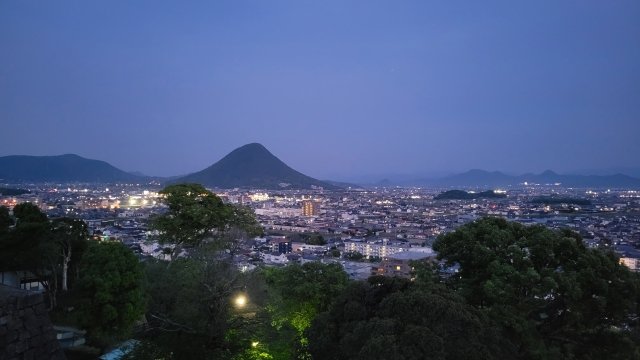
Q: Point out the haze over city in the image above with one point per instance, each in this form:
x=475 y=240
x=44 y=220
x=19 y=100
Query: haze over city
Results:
x=335 y=89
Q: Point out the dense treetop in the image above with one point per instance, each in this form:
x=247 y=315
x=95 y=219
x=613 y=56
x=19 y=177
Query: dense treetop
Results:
x=13 y=192
x=463 y=195
x=553 y=297
x=560 y=200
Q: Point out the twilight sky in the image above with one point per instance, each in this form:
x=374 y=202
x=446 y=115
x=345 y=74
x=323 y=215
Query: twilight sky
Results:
x=333 y=88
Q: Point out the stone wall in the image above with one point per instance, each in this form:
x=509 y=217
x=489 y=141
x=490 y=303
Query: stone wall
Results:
x=26 y=331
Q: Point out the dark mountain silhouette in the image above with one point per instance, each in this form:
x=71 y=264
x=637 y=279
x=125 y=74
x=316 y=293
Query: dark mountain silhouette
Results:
x=384 y=183
x=625 y=170
x=342 y=184
x=481 y=178
x=61 y=168
x=252 y=166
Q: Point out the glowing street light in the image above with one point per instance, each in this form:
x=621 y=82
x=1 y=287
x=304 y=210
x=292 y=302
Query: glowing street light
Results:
x=241 y=300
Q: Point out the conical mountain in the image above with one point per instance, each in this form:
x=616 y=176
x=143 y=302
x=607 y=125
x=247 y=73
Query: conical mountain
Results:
x=252 y=166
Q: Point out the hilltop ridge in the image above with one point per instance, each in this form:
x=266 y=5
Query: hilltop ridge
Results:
x=61 y=168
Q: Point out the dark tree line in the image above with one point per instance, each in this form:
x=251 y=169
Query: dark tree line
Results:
x=463 y=195
x=549 y=200
x=49 y=250
x=13 y=192
x=105 y=279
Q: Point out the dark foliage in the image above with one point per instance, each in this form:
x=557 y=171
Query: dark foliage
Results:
x=553 y=297
x=394 y=318
x=556 y=200
x=13 y=192
x=463 y=195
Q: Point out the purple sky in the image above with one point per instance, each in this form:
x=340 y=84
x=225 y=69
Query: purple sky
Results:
x=334 y=89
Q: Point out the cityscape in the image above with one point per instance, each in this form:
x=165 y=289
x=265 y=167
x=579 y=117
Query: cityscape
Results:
x=329 y=180
x=372 y=221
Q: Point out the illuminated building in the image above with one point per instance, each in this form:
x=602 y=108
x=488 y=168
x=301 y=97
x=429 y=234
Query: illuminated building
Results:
x=310 y=208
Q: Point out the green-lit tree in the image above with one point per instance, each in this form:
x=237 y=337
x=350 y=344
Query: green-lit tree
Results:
x=110 y=291
x=194 y=312
x=299 y=293
x=194 y=214
x=193 y=308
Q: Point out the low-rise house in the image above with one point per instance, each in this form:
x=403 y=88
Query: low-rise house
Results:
x=276 y=258
x=309 y=258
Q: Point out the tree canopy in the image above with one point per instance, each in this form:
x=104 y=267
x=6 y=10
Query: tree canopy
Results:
x=29 y=246
x=560 y=200
x=395 y=318
x=463 y=195
x=298 y=294
x=553 y=297
x=195 y=214
x=111 y=293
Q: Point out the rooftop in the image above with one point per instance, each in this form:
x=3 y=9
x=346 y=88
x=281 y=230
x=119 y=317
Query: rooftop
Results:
x=410 y=255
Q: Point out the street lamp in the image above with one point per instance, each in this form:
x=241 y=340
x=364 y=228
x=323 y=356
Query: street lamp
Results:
x=241 y=300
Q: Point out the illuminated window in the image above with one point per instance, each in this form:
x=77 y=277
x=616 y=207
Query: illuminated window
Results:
x=397 y=267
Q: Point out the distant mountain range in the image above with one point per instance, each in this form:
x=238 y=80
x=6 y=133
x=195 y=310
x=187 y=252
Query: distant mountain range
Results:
x=495 y=179
x=631 y=171
x=252 y=166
